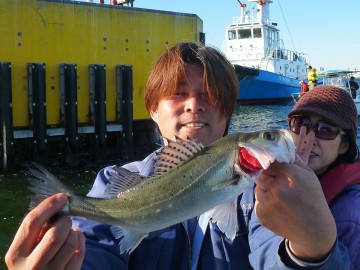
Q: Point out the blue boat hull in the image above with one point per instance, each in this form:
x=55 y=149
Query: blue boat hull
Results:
x=267 y=88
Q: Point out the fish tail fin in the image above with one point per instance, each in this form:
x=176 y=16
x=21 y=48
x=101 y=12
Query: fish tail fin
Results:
x=44 y=184
x=129 y=240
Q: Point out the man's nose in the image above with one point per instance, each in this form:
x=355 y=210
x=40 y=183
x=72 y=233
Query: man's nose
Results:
x=195 y=104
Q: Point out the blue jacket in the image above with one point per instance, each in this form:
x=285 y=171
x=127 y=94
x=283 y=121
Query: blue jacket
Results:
x=192 y=244
x=346 y=211
x=341 y=186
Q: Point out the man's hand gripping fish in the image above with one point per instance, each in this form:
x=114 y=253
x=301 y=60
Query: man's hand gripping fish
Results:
x=189 y=180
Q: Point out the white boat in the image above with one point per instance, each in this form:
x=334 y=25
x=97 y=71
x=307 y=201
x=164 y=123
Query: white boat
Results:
x=339 y=78
x=253 y=40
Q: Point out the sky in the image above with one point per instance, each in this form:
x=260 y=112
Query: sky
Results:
x=325 y=30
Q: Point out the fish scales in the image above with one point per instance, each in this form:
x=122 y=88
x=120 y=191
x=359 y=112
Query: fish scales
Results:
x=161 y=198
x=189 y=180
x=185 y=186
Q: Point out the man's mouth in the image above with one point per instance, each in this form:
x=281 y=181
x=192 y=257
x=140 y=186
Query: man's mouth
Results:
x=194 y=124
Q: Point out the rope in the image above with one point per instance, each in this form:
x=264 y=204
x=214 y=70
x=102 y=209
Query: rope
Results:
x=286 y=25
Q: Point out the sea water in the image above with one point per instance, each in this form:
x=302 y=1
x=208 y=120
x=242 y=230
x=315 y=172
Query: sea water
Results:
x=15 y=196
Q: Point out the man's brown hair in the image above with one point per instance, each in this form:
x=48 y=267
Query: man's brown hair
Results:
x=220 y=80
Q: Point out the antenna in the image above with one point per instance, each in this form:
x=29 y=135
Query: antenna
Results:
x=241 y=4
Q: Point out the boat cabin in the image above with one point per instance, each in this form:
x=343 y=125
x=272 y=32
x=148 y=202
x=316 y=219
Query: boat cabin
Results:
x=253 y=40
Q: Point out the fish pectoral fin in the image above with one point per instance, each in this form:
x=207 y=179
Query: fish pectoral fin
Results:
x=227 y=183
x=225 y=217
x=120 y=180
x=129 y=240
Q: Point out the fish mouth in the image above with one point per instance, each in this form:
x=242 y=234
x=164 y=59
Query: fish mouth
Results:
x=254 y=157
x=247 y=162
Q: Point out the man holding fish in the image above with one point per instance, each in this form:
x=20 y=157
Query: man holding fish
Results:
x=190 y=94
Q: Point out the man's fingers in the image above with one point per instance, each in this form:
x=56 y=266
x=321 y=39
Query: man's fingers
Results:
x=30 y=229
x=54 y=246
x=78 y=257
x=70 y=248
x=51 y=243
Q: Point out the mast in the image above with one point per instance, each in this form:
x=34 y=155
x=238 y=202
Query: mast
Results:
x=263 y=11
x=259 y=15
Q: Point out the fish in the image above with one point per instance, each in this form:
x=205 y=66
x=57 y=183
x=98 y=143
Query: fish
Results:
x=189 y=179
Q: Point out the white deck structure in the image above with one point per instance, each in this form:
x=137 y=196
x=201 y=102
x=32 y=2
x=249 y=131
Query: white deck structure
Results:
x=253 y=40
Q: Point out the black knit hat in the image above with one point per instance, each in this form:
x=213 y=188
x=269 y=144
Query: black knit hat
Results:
x=333 y=104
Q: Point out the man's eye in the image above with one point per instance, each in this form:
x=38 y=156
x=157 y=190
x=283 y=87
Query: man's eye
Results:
x=182 y=94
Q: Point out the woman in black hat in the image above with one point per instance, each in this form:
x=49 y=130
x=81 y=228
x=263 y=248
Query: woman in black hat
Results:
x=324 y=128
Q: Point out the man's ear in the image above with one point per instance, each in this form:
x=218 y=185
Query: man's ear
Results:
x=154 y=116
x=344 y=146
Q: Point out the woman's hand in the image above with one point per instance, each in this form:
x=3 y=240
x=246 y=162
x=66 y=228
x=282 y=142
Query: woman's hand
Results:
x=304 y=144
x=44 y=244
x=291 y=203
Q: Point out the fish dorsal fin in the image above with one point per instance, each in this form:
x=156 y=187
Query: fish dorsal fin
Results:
x=175 y=153
x=121 y=179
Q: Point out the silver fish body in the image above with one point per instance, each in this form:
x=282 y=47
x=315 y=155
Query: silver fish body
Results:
x=189 y=180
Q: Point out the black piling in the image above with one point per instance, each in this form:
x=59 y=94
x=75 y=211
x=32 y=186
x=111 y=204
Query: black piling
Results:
x=69 y=111
x=37 y=109
x=97 y=77
x=6 y=121
x=124 y=108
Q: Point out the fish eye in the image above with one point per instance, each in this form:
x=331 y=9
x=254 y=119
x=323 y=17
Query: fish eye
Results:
x=267 y=135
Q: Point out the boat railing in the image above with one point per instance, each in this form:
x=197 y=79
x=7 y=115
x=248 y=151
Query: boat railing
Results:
x=339 y=80
x=247 y=19
x=278 y=53
x=334 y=81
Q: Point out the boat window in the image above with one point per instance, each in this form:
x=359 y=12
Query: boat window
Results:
x=244 y=33
x=257 y=32
x=231 y=34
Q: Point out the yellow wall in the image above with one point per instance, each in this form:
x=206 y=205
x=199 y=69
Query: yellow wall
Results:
x=57 y=32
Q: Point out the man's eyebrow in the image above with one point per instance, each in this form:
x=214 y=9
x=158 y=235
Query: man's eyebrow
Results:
x=183 y=81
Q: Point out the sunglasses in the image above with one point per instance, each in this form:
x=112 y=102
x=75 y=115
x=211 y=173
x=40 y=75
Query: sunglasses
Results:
x=322 y=129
